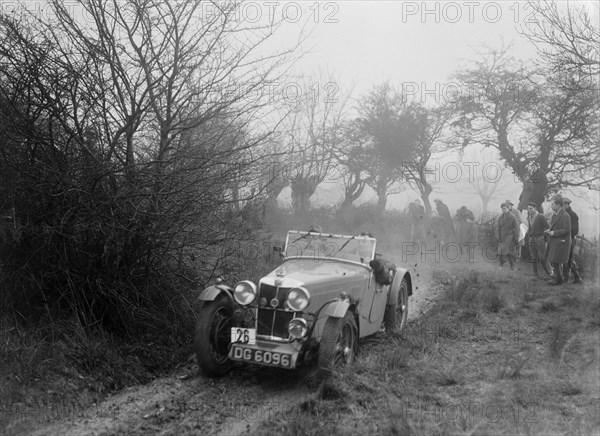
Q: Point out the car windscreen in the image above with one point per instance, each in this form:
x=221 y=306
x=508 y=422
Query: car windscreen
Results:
x=320 y=246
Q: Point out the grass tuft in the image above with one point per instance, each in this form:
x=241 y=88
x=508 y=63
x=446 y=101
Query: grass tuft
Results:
x=494 y=301
x=330 y=391
x=558 y=339
x=548 y=306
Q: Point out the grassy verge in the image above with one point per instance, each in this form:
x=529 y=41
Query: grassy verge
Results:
x=56 y=371
x=495 y=355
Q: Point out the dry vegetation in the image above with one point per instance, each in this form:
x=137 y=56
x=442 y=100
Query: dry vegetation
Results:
x=494 y=356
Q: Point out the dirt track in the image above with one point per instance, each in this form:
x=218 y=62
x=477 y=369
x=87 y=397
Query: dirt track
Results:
x=188 y=403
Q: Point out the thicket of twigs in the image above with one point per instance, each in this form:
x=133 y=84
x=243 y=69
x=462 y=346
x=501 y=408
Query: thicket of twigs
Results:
x=130 y=160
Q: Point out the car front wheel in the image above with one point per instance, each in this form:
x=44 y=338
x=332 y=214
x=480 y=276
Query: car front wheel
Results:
x=212 y=338
x=397 y=314
x=339 y=344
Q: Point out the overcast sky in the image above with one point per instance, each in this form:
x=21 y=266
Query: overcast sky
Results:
x=369 y=42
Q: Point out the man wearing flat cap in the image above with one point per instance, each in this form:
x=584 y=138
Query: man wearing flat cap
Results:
x=571 y=266
x=506 y=232
x=559 y=239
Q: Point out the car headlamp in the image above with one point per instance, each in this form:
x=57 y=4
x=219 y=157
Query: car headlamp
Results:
x=244 y=292
x=298 y=299
x=298 y=328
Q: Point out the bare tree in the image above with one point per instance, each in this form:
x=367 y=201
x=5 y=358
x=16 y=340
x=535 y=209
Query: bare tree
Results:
x=131 y=138
x=312 y=130
x=384 y=117
x=352 y=155
x=530 y=118
x=430 y=126
x=488 y=182
x=567 y=40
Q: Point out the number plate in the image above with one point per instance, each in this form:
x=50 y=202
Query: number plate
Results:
x=262 y=357
x=241 y=335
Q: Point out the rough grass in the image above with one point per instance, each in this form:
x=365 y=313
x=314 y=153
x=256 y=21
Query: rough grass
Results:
x=488 y=358
x=51 y=371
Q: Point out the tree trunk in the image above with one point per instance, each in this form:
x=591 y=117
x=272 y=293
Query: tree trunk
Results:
x=352 y=193
x=302 y=190
x=426 y=191
x=484 y=204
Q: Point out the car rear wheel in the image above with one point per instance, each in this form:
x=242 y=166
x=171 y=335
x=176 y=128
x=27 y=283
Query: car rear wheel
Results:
x=396 y=315
x=339 y=344
x=212 y=338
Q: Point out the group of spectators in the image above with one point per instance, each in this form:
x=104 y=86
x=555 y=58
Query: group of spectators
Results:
x=441 y=227
x=550 y=244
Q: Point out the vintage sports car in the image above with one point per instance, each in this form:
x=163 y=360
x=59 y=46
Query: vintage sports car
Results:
x=329 y=291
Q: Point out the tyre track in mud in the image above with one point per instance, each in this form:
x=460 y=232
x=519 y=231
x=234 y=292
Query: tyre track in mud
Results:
x=189 y=403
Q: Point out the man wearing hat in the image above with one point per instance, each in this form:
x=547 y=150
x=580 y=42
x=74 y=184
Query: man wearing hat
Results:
x=514 y=211
x=506 y=232
x=559 y=239
x=571 y=266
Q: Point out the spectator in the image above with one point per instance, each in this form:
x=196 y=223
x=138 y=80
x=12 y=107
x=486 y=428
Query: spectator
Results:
x=507 y=235
x=444 y=214
x=559 y=242
x=537 y=223
x=416 y=216
x=435 y=228
x=466 y=228
x=571 y=266
x=521 y=236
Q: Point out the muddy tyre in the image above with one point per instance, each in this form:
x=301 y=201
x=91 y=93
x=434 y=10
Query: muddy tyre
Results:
x=396 y=315
x=339 y=344
x=212 y=337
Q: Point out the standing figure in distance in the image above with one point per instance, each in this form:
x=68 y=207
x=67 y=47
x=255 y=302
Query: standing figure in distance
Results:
x=416 y=216
x=444 y=214
x=520 y=241
x=507 y=235
x=571 y=266
x=465 y=228
x=435 y=229
x=537 y=245
x=559 y=241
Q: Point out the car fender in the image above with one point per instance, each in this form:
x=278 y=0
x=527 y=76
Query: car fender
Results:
x=400 y=274
x=213 y=291
x=337 y=309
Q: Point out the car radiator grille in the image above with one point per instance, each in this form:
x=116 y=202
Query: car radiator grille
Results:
x=273 y=321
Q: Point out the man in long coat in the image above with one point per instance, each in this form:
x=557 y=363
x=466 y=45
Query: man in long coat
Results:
x=444 y=213
x=535 y=235
x=559 y=239
x=571 y=265
x=416 y=216
x=466 y=229
x=507 y=235
x=435 y=229
x=517 y=214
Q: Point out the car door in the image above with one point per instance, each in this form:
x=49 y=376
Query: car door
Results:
x=372 y=307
